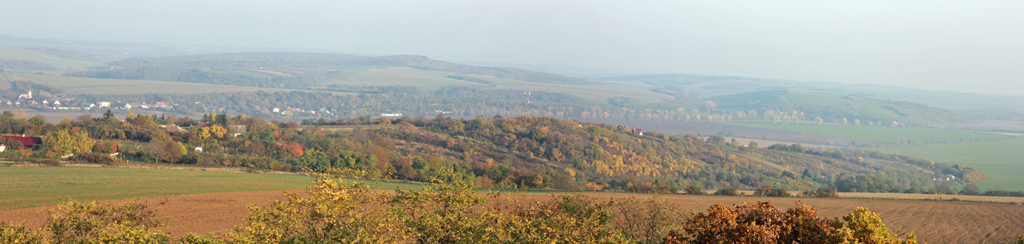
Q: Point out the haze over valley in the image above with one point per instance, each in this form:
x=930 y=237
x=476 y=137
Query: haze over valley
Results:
x=869 y=104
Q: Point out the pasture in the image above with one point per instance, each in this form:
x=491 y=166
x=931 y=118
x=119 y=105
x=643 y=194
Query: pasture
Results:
x=433 y=80
x=883 y=134
x=37 y=186
x=866 y=108
x=84 y=85
x=1000 y=160
x=56 y=62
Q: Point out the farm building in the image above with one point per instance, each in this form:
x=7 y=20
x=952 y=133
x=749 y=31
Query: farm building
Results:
x=27 y=142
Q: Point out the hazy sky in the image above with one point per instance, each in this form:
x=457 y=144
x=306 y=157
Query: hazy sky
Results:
x=972 y=46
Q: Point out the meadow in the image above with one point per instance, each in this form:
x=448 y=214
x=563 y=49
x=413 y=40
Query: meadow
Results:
x=433 y=80
x=881 y=134
x=867 y=108
x=999 y=160
x=56 y=62
x=84 y=85
x=38 y=186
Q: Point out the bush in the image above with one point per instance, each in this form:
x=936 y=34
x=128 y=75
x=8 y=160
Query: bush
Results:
x=970 y=189
x=16 y=234
x=647 y=221
x=693 y=189
x=770 y=191
x=761 y=222
x=75 y=222
x=49 y=162
x=96 y=158
x=727 y=192
x=822 y=192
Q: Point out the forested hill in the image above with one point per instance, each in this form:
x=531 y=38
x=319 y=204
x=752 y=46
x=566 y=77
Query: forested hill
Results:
x=522 y=152
x=303 y=65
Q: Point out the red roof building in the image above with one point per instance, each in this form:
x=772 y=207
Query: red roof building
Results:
x=26 y=141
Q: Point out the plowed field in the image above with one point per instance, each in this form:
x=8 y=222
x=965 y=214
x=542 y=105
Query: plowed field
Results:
x=934 y=221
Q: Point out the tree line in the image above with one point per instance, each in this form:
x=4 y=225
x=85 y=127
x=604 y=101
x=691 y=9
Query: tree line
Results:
x=522 y=152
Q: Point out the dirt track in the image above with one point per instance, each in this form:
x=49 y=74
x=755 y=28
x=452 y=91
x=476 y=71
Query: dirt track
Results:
x=934 y=221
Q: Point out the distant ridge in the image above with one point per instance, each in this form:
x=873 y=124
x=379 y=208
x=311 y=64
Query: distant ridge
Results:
x=299 y=60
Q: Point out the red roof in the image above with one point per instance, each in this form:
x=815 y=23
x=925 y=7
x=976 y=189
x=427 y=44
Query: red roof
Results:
x=26 y=141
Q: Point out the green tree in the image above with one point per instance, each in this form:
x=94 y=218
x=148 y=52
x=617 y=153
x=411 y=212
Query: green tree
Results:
x=108 y=114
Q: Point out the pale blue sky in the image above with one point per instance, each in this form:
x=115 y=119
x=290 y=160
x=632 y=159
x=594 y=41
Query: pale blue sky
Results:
x=969 y=46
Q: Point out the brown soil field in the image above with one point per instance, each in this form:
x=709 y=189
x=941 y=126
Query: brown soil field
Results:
x=933 y=221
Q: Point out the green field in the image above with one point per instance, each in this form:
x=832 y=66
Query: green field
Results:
x=433 y=80
x=1001 y=161
x=83 y=85
x=865 y=108
x=57 y=62
x=25 y=187
x=883 y=134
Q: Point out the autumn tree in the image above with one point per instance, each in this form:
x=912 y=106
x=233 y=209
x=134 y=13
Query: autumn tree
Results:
x=61 y=143
x=761 y=222
x=166 y=150
x=332 y=211
x=76 y=222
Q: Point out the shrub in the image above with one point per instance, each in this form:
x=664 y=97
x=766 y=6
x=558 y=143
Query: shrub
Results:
x=822 y=192
x=647 y=221
x=49 y=162
x=761 y=222
x=693 y=189
x=76 y=222
x=727 y=192
x=96 y=158
x=771 y=191
x=568 y=219
x=332 y=211
x=17 y=234
x=970 y=189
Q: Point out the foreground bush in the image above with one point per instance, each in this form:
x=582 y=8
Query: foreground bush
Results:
x=761 y=222
x=333 y=211
x=17 y=234
x=443 y=212
x=76 y=222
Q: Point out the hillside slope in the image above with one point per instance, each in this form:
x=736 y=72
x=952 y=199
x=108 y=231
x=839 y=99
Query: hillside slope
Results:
x=306 y=65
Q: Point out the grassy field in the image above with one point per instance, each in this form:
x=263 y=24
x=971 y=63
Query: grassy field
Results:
x=883 y=134
x=37 y=186
x=865 y=108
x=1001 y=161
x=115 y=86
x=433 y=80
x=57 y=62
